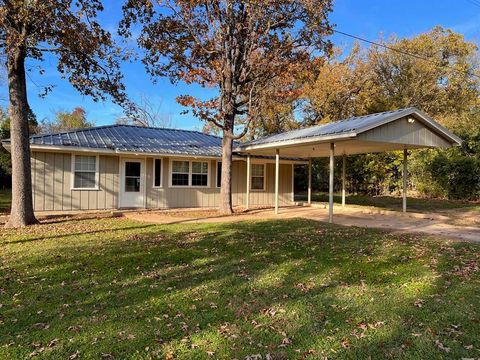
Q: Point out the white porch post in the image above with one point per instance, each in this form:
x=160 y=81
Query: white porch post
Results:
x=247 y=201
x=309 y=196
x=330 y=185
x=405 y=174
x=344 y=168
x=277 y=175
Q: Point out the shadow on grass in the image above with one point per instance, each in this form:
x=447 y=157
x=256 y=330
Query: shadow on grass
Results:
x=286 y=288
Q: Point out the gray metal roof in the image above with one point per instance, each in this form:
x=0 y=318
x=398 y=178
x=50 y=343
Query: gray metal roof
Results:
x=354 y=126
x=127 y=138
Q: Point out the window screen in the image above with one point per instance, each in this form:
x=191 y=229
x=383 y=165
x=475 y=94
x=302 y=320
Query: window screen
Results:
x=180 y=172
x=258 y=176
x=199 y=173
x=85 y=168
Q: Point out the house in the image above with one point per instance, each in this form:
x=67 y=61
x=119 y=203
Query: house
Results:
x=121 y=166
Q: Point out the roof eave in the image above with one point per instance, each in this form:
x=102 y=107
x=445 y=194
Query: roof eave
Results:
x=299 y=141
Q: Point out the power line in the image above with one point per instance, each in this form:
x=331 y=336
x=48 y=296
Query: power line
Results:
x=474 y=2
x=420 y=57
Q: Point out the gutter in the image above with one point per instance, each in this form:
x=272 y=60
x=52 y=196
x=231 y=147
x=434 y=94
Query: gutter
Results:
x=71 y=149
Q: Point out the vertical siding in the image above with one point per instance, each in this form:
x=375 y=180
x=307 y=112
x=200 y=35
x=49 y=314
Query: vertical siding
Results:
x=402 y=132
x=67 y=180
x=169 y=197
x=52 y=179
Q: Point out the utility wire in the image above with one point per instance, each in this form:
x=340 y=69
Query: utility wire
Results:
x=420 y=57
x=474 y=2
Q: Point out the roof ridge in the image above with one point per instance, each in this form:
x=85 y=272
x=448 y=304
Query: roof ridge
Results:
x=374 y=114
x=344 y=120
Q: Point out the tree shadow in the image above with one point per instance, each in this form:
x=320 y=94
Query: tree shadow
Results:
x=289 y=285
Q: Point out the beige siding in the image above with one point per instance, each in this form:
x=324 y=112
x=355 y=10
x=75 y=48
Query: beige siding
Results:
x=52 y=178
x=168 y=197
x=51 y=175
x=402 y=132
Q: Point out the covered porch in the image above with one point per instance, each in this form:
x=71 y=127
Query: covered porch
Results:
x=399 y=130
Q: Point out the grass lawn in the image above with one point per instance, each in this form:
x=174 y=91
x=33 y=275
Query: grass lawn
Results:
x=292 y=289
x=5 y=199
x=393 y=203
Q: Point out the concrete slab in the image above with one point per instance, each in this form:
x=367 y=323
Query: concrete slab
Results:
x=437 y=225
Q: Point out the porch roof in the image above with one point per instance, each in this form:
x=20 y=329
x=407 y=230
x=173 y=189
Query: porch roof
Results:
x=392 y=130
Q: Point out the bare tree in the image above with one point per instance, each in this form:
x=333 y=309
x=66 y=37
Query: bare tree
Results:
x=146 y=113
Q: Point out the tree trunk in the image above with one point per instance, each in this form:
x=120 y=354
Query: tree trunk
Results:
x=22 y=205
x=226 y=189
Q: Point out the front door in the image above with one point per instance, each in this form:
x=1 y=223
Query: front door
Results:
x=132 y=183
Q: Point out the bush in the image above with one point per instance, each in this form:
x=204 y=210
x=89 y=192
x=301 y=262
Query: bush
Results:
x=457 y=174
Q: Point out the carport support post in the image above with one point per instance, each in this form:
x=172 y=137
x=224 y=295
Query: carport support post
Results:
x=344 y=167
x=330 y=185
x=247 y=203
x=309 y=198
x=277 y=175
x=405 y=156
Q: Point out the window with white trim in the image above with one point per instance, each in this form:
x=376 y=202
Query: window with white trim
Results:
x=219 y=174
x=180 y=173
x=199 y=173
x=84 y=172
x=258 y=176
x=157 y=172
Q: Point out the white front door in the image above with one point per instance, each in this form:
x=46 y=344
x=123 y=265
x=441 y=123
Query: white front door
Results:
x=132 y=183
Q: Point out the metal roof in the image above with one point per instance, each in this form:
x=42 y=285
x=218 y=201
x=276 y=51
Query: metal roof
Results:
x=129 y=138
x=351 y=126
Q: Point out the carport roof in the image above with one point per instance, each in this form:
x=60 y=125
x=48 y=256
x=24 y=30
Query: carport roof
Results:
x=347 y=129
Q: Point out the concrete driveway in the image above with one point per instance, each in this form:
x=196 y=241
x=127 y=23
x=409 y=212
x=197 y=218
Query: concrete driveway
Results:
x=442 y=225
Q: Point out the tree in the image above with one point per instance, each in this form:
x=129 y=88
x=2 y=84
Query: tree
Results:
x=147 y=114
x=339 y=89
x=86 y=55
x=441 y=78
x=5 y=156
x=445 y=85
x=235 y=46
x=77 y=119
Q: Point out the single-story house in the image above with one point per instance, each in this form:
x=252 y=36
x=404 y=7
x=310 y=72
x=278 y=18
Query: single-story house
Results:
x=121 y=166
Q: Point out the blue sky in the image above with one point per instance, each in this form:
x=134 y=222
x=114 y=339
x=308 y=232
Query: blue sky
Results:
x=366 y=18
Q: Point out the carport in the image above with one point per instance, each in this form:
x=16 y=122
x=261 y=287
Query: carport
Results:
x=402 y=129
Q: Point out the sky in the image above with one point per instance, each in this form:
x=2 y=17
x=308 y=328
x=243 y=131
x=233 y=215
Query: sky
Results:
x=366 y=18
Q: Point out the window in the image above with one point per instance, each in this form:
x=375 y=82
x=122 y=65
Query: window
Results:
x=219 y=174
x=180 y=173
x=84 y=172
x=132 y=176
x=258 y=177
x=199 y=173
x=189 y=173
x=157 y=172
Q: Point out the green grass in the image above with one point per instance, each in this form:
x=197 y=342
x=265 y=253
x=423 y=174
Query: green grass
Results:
x=394 y=203
x=5 y=199
x=294 y=289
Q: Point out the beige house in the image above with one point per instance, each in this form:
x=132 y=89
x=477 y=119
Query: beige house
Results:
x=120 y=166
